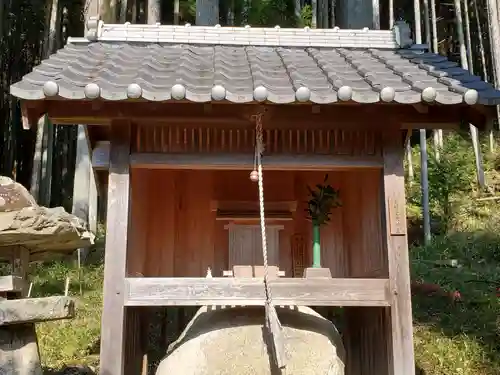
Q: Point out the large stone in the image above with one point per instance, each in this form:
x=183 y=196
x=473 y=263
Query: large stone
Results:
x=19 y=350
x=228 y=341
x=36 y=228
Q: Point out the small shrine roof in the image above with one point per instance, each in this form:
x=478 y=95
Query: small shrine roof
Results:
x=243 y=65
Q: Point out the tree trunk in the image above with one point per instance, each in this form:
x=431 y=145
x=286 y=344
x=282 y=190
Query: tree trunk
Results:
x=491 y=138
x=465 y=65
x=391 y=14
x=468 y=42
x=434 y=27
x=108 y=11
x=133 y=11
x=123 y=11
x=437 y=146
x=493 y=13
x=332 y=12
x=154 y=7
x=177 y=10
x=324 y=14
x=427 y=23
x=207 y=12
x=314 y=11
x=418 y=22
x=42 y=162
x=376 y=14
x=409 y=160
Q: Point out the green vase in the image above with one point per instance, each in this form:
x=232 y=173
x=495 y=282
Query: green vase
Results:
x=316 y=247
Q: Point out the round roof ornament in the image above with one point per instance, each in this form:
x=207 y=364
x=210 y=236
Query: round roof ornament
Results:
x=178 y=91
x=260 y=94
x=50 y=88
x=218 y=92
x=429 y=94
x=134 y=91
x=345 y=93
x=387 y=94
x=471 y=97
x=92 y=91
x=303 y=94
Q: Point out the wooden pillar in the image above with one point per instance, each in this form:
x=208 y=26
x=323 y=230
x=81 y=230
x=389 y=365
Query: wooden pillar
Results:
x=401 y=328
x=113 y=315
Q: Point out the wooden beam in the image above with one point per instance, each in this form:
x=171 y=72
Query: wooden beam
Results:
x=250 y=292
x=113 y=315
x=34 y=310
x=31 y=111
x=246 y=162
x=11 y=284
x=330 y=116
x=401 y=330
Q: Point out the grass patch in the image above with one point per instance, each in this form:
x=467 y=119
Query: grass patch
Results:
x=461 y=337
x=70 y=342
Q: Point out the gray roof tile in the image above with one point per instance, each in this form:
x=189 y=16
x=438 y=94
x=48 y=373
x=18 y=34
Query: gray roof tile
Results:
x=329 y=74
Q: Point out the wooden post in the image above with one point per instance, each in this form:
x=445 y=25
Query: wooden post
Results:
x=401 y=330
x=113 y=315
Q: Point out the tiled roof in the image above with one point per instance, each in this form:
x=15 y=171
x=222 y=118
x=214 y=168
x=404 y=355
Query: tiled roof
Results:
x=114 y=69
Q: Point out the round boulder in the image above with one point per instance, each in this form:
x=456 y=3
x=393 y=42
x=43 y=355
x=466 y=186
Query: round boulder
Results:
x=231 y=340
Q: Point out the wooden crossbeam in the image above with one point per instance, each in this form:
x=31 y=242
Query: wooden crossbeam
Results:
x=34 y=310
x=249 y=292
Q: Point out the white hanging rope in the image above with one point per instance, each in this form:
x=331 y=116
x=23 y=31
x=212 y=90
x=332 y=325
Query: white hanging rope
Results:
x=272 y=322
x=259 y=149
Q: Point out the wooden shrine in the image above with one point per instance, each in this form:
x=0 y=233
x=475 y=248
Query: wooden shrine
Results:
x=177 y=108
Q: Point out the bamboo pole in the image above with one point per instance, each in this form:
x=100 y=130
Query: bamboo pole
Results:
x=494 y=34
x=376 y=14
x=427 y=23
x=483 y=65
x=425 y=186
x=465 y=65
x=431 y=34
x=468 y=42
x=424 y=176
x=434 y=27
x=409 y=159
x=391 y=14
x=418 y=22
x=437 y=145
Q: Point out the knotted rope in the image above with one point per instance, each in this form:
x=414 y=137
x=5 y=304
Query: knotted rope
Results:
x=272 y=321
